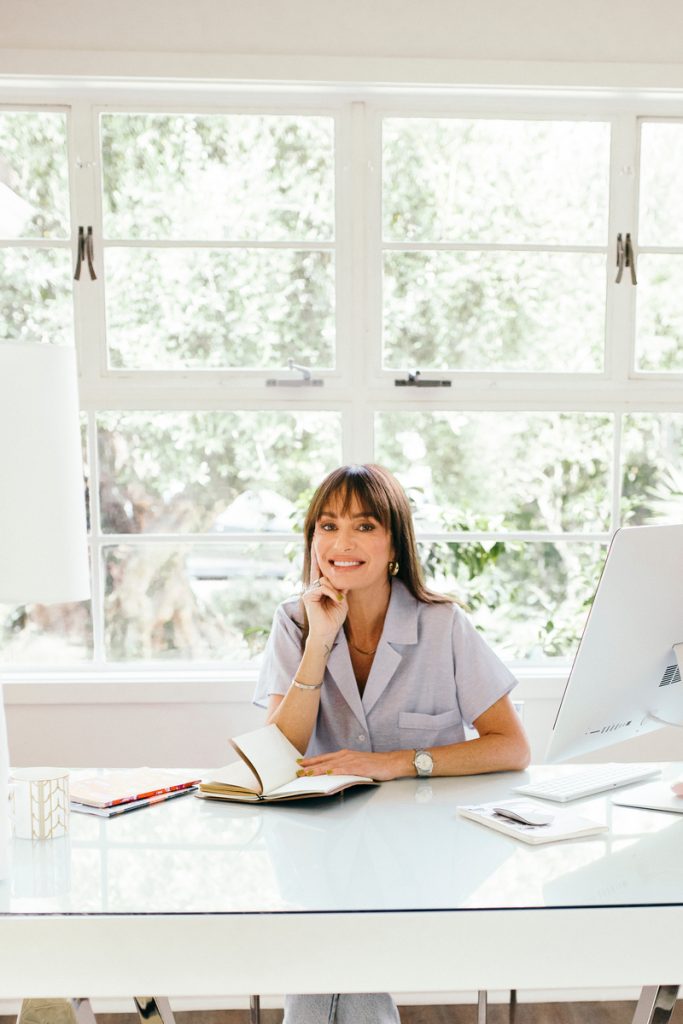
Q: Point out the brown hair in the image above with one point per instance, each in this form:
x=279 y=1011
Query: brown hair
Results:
x=380 y=494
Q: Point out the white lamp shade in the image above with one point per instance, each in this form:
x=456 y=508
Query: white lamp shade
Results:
x=43 y=539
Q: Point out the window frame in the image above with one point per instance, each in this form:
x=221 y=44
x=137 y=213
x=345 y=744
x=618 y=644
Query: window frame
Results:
x=359 y=387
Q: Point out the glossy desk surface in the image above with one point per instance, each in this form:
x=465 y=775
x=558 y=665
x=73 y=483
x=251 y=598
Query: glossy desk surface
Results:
x=397 y=855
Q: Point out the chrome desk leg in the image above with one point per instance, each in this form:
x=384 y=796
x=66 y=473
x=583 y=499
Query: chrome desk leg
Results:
x=155 y=1009
x=254 y=1010
x=513 y=1006
x=56 y=1011
x=656 y=1004
x=482 y=1006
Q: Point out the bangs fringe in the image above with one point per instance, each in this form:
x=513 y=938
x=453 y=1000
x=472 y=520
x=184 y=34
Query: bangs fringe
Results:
x=350 y=483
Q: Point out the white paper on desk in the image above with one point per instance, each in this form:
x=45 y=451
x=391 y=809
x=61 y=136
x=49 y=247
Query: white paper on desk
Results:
x=657 y=796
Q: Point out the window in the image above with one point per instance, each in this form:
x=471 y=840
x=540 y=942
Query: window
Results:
x=472 y=239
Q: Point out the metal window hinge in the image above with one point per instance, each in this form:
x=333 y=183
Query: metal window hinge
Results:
x=415 y=380
x=626 y=258
x=305 y=381
x=86 y=251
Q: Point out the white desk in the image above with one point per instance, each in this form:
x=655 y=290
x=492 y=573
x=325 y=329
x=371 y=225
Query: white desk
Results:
x=382 y=889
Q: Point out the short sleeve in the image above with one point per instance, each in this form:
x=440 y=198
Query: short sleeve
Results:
x=281 y=657
x=481 y=678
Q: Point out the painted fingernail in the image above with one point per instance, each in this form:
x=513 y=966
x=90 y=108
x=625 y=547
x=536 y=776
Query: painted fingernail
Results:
x=310 y=772
x=300 y=772
x=340 y=597
x=299 y=760
x=328 y=772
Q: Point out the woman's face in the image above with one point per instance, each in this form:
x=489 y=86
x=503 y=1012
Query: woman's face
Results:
x=353 y=550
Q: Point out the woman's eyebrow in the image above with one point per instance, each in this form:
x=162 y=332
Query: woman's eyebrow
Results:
x=356 y=515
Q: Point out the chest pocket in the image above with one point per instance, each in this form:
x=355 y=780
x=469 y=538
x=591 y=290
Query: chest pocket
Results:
x=423 y=730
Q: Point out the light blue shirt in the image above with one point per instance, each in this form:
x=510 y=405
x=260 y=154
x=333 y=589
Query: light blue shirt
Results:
x=433 y=673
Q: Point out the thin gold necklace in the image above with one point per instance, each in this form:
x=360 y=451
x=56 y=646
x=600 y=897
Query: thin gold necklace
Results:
x=360 y=649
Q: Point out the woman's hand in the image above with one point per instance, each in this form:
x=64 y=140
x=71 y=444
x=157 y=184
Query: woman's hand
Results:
x=326 y=606
x=382 y=767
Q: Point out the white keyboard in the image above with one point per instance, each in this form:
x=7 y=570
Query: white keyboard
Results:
x=595 y=779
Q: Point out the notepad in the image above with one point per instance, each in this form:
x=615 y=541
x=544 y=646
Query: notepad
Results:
x=565 y=824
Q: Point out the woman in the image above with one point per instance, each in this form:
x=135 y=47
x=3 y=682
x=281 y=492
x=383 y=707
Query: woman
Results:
x=371 y=673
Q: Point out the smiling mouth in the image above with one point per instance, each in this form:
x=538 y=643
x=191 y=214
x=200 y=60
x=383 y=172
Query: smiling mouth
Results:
x=346 y=564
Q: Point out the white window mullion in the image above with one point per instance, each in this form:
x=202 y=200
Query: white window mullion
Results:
x=86 y=210
x=621 y=298
x=345 y=249
x=373 y=234
x=616 y=470
x=96 y=562
x=357 y=420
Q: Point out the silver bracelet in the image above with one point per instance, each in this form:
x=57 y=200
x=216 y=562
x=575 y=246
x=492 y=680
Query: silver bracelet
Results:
x=306 y=686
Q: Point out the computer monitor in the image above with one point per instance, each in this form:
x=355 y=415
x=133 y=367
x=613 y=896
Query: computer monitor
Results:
x=626 y=679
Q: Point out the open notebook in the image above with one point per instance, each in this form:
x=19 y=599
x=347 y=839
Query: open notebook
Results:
x=267 y=772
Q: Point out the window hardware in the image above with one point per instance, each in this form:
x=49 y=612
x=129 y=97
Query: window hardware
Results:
x=414 y=380
x=626 y=258
x=630 y=258
x=86 y=251
x=305 y=381
x=620 y=258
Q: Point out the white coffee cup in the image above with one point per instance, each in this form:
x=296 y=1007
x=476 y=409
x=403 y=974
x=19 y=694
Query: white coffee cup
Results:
x=39 y=802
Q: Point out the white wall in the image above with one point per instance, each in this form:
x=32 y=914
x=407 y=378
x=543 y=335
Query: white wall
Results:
x=104 y=728
x=526 y=30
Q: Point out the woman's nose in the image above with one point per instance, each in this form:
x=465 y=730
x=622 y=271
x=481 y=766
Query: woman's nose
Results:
x=344 y=540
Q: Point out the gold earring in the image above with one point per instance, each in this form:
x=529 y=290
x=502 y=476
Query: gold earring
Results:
x=393 y=568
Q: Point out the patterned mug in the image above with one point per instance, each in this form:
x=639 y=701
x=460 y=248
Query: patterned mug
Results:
x=39 y=802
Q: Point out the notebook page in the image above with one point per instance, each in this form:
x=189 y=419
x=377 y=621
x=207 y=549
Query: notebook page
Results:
x=271 y=754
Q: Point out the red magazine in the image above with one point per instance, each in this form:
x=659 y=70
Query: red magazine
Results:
x=109 y=788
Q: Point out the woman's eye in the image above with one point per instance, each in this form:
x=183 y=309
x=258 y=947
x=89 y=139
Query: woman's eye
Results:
x=366 y=527
x=327 y=527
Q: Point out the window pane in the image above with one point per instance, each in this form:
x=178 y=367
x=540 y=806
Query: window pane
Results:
x=222 y=472
x=496 y=181
x=45 y=635
x=659 y=319
x=194 y=602
x=218 y=176
x=530 y=600
x=183 y=309
x=652 y=468
x=501 y=470
x=34 y=187
x=35 y=296
x=661 y=184
x=494 y=311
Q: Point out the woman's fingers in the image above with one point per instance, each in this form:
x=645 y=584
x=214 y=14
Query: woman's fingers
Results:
x=321 y=587
x=374 y=765
x=315 y=568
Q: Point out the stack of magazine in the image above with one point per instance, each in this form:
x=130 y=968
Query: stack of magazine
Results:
x=116 y=792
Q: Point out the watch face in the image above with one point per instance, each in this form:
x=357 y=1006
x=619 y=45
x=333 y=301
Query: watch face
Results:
x=423 y=762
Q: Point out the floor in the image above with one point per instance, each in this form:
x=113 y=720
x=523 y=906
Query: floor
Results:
x=526 y=1013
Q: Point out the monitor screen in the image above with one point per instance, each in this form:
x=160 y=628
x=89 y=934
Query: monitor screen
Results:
x=625 y=680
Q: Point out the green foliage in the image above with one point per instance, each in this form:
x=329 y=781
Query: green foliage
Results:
x=204 y=309
x=216 y=178
x=513 y=470
x=541 y=182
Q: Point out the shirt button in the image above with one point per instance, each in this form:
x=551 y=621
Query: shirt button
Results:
x=361 y=738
